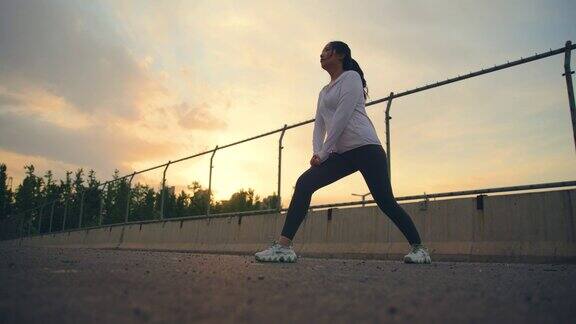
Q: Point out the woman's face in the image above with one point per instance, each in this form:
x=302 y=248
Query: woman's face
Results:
x=329 y=58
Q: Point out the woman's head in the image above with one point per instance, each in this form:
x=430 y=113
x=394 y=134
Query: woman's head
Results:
x=338 y=53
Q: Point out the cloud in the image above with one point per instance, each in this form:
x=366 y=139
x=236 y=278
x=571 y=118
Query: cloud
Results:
x=72 y=91
x=38 y=103
x=103 y=147
x=63 y=48
x=7 y=100
x=16 y=162
x=198 y=117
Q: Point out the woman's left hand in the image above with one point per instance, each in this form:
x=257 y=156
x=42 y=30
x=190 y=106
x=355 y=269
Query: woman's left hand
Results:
x=315 y=161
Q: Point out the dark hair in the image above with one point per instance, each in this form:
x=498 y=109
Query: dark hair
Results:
x=348 y=63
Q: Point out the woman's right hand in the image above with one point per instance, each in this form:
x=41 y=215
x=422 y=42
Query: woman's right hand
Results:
x=315 y=161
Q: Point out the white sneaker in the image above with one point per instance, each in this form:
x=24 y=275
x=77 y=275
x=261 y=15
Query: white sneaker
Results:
x=276 y=253
x=418 y=254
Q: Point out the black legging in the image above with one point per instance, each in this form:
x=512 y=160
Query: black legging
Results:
x=371 y=160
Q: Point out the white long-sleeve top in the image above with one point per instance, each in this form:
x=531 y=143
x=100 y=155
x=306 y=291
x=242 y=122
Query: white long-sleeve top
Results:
x=341 y=114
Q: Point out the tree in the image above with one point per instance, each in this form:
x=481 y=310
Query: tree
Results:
x=78 y=190
x=116 y=199
x=50 y=193
x=182 y=204
x=142 y=203
x=63 y=202
x=28 y=192
x=242 y=200
x=8 y=221
x=169 y=202
x=270 y=202
x=199 y=200
x=28 y=197
x=92 y=197
x=5 y=199
x=65 y=189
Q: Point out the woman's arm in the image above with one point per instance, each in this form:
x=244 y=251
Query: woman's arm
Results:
x=351 y=96
x=319 y=130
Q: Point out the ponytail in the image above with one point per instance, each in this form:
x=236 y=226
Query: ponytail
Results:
x=348 y=63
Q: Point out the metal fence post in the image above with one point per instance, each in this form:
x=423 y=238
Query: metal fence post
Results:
x=363 y=197
x=101 y=204
x=568 y=75
x=81 y=208
x=163 y=190
x=52 y=216
x=210 y=181
x=128 y=198
x=390 y=97
x=280 y=147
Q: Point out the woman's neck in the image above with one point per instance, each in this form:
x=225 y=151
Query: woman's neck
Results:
x=334 y=74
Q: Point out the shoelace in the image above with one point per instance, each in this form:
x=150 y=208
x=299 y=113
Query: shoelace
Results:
x=277 y=245
x=416 y=248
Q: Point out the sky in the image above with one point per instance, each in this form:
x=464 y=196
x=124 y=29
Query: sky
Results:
x=128 y=85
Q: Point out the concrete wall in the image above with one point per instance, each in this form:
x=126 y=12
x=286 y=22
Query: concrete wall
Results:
x=523 y=227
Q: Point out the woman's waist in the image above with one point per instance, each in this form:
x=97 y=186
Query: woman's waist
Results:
x=348 y=143
x=359 y=132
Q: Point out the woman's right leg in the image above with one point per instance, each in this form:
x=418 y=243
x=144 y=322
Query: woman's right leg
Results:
x=372 y=162
x=316 y=177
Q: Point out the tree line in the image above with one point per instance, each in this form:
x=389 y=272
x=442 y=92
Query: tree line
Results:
x=42 y=204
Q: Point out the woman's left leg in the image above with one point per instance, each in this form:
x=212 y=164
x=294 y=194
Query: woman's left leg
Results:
x=316 y=177
x=372 y=162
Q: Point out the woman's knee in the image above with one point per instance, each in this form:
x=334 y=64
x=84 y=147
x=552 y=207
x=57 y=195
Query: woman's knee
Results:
x=388 y=204
x=384 y=196
x=305 y=183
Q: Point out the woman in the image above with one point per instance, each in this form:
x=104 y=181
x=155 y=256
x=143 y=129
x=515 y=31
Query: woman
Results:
x=351 y=144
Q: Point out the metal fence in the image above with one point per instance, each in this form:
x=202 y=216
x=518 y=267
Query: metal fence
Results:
x=45 y=213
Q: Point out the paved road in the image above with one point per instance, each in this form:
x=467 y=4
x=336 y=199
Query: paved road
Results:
x=51 y=285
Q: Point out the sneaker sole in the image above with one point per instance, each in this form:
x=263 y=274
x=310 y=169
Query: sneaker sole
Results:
x=286 y=259
x=427 y=260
